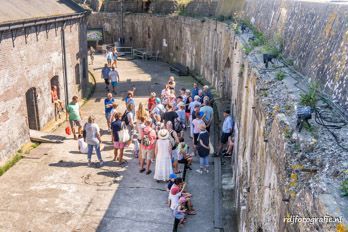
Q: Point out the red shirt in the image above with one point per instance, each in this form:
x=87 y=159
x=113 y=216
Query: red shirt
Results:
x=151 y=103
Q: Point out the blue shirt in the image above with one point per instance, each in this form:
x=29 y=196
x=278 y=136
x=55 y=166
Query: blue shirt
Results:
x=108 y=102
x=208 y=111
x=208 y=94
x=105 y=72
x=228 y=124
x=181 y=114
x=130 y=101
x=194 y=92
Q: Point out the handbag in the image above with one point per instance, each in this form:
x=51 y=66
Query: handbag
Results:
x=67 y=129
x=123 y=135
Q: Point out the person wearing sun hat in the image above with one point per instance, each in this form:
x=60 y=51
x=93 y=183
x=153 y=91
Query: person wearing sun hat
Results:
x=163 y=152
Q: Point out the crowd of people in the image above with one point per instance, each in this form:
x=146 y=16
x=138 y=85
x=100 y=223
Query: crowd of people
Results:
x=156 y=130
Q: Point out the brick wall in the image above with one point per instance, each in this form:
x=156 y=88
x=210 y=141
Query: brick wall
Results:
x=32 y=63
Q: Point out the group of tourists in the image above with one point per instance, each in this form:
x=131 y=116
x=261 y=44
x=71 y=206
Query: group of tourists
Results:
x=156 y=130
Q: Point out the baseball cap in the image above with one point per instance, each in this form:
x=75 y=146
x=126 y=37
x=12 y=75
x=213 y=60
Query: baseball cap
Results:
x=172 y=176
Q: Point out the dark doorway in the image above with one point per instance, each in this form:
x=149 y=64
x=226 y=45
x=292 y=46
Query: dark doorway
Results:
x=146 y=6
x=32 y=109
x=227 y=79
x=77 y=74
x=55 y=82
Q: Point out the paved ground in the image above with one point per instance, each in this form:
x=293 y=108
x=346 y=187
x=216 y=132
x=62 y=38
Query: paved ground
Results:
x=54 y=190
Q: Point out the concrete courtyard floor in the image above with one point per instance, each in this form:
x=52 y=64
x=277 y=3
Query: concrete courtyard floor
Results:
x=52 y=189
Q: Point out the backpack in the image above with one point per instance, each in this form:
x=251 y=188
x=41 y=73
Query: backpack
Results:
x=125 y=118
x=177 y=125
x=146 y=139
x=172 y=141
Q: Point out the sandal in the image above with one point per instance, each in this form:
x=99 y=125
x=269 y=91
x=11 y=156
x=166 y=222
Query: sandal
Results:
x=192 y=212
x=148 y=172
x=142 y=170
x=178 y=172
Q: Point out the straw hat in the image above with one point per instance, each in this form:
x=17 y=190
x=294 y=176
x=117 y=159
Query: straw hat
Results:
x=181 y=104
x=163 y=134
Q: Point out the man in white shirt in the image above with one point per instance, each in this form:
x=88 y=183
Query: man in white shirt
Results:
x=115 y=78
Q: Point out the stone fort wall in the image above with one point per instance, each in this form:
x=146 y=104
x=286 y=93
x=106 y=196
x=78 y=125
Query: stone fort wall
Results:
x=314 y=35
x=32 y=63
x=212 y=49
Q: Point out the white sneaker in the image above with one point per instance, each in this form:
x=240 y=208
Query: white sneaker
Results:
x=89 y=163
x=206 y=170
x=199 y=171
x=101 y=163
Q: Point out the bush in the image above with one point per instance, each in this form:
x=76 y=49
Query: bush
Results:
x=280 y=76
x=310 y=98
x=247 y=49
x=344 y=187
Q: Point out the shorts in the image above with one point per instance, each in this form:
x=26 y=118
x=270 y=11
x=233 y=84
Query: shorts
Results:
x=148 y=154
x=107 y=81
x=195 y=139
x=208 y=128
x=107 y=116
x=114 y=83
x=109 y=60
x=75 y=123
x=224 y=137
x=119 y=145
x=175 y=155
x=182 y=161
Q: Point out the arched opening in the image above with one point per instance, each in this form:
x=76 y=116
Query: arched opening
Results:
x=227 y=79
x=32 y=109
x=55 y=82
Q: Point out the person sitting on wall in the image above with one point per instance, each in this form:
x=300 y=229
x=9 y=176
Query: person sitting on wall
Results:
x=230 y=145
x=55 y=99
x=227 y=130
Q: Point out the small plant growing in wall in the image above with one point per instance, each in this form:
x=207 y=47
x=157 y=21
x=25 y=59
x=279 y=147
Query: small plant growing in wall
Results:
x=310 y=98
x=344 y=187
x=288 y=132
x=247 y=49
x=280 y=76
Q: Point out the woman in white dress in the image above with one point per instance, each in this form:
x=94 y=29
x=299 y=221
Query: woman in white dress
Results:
x=163 y=152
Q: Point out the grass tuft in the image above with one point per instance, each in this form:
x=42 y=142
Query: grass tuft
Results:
x=10 y=163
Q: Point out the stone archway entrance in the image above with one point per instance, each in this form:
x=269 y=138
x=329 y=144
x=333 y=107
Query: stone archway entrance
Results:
x=32 y=109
